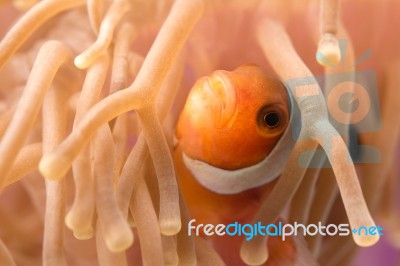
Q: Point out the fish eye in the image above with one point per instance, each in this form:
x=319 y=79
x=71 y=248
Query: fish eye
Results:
x=272 y=119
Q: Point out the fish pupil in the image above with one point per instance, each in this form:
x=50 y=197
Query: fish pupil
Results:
x=272 y=119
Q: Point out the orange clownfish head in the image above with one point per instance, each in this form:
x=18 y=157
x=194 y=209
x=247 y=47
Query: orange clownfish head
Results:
x=233 y=120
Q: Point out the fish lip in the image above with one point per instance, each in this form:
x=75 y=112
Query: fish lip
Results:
x=224 y=89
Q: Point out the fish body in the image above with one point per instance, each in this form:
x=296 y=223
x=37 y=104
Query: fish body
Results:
x=231 y=122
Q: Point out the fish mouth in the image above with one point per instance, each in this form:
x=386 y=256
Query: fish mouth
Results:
x=224 y=91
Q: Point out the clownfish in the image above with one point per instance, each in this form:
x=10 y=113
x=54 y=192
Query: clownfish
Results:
x=228 y=150
x=233 y=120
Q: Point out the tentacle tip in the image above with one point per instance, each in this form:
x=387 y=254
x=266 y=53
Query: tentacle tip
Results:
x=48 y=167
x=80 y=232
x=81 y=62
x=170 y=227
x=119 y=240
x=328 y=53
x=252 y=256
x=365 y=240
x=173 y=260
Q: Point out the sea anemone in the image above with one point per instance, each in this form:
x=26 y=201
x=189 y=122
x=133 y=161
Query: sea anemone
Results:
x=91 y=92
